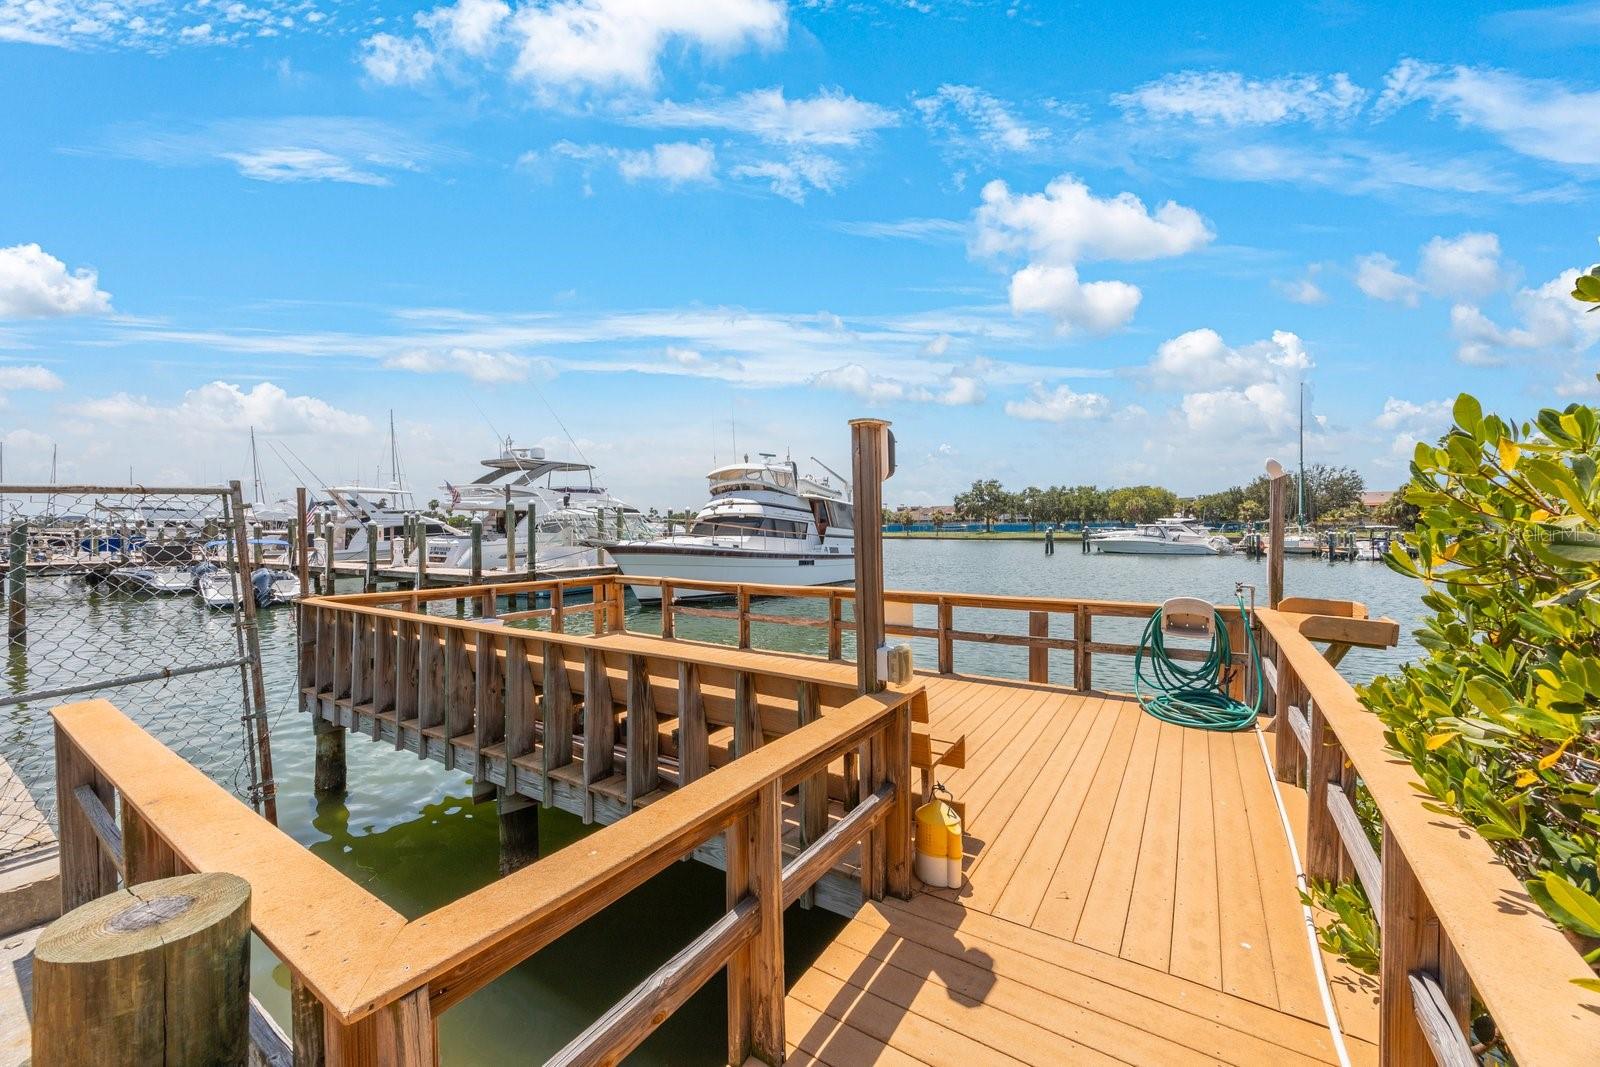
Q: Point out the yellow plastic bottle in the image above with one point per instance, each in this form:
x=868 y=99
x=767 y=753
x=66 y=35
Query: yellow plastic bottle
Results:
x=938 y=845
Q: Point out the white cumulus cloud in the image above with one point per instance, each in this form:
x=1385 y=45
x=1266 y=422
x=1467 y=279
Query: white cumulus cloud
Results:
x=221 y=406
x=1547 y=321
x=1201 y=359
x=953 y=390
x=1379 y=277
x=1061 y=404
x=1067 y=224
x=35 y=284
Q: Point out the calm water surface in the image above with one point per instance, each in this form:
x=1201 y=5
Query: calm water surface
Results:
x=409 y=832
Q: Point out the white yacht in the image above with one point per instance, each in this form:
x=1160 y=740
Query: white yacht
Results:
x=352 y=507
x=1174 y=535
x=764 y=523
x=572 y=514
x=1300 y=541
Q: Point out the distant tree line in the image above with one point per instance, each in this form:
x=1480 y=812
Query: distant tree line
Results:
x=1332 y=495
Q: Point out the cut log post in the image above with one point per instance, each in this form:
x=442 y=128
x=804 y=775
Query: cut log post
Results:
x=519 y=832
x=158 y=974
x=330 y=766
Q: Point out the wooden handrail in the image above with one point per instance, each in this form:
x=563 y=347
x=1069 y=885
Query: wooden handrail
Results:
x=1452 y=916
x=374 y=980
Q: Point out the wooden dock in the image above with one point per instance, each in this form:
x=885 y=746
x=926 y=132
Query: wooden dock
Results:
x=1131 y=886
x=406 y=577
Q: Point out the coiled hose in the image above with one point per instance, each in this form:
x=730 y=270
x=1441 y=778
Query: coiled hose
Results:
x=1195 y=696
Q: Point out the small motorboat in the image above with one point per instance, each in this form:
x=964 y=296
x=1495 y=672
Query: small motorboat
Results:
x=153 y=581
x=273 y=585
x=215 y=586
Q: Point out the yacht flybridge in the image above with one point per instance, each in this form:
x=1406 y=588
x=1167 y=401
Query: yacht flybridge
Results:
x=572 y=514
x=765 y=523
x=1175 y=535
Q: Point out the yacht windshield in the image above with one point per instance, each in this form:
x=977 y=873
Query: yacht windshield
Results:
x=746 y=525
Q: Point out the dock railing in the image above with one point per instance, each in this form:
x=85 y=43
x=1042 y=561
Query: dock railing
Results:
x=739 y=603
x=1455 y=923
x=368 y=985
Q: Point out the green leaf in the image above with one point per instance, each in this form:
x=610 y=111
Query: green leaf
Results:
x=1468 y=413
x=1573 y=907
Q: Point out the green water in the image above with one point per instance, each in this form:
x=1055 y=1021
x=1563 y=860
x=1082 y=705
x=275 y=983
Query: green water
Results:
x=409 y=832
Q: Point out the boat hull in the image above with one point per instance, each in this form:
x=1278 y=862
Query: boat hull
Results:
x=727 y=565
x=1156 y=548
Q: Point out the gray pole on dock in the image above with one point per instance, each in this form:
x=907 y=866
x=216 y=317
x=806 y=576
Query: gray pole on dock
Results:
x=422 y=555
x=257 y=706
x=257 y=550
x=511 y=534
x=871 y=457
x=1275 y=501
x=302 y=557
x=327 y=557
x=477 y=548
x=533 y=540
x=17 y=583
x=371 y=584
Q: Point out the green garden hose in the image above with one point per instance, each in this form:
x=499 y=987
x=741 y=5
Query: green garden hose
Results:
x=1194 y=695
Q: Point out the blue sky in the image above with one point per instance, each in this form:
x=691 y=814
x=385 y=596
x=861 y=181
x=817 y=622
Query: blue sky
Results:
x=1053 y=243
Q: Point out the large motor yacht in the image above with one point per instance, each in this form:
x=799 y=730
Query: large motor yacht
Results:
x=765 y=524
x=1175 y=535
x=572 y=513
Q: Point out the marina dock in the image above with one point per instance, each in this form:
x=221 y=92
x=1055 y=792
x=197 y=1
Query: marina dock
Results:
x=1129 y=889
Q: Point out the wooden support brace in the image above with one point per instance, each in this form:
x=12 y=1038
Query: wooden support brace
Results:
x=599 y=727
x=556 y=710
x=694 y=754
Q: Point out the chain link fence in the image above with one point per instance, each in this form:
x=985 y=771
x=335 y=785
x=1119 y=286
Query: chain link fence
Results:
x=135 y=595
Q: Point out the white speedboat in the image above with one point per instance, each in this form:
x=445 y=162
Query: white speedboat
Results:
x=154 y=581
x=274 y=585
x=764 y=524
x=1299 y=541
x=1175 y=535
x=215 y=588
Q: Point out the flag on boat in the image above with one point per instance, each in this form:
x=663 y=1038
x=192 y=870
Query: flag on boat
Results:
x=455 y=494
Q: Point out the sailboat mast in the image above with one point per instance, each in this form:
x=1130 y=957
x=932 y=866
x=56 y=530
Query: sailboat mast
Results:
x=255 y=469
x=1301 y=513
x=394 y=452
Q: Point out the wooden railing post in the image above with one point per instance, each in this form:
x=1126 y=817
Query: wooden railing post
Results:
x=897 y=828
x=86 y=871
x=1325 y=763
x=744 y=617
x=947 y=648
x=694 y=756
x=400 y=1034
x=1410 y=943
x=812 y=797
x=668 y=618
x=145 y=857
x=599 y=727
x=1038 y=653
x=835 y=627
x=1083 y=634
x=755 y=973
x=643 y=733
x=1285 y=747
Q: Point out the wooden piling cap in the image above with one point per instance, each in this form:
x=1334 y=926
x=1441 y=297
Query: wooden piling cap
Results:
x=148 y=915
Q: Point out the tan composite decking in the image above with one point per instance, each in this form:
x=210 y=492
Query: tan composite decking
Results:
x=1130 y=898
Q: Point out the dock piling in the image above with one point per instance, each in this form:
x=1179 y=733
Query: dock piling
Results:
x=371 y=583
x=329 y=777
x=17 y=584
x=477 y=548
x=519 y=832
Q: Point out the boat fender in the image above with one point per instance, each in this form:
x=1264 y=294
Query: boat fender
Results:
x=939 y=845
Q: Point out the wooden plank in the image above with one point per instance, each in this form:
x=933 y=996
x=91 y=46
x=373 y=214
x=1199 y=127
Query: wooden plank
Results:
x=1147 y=937
x=1083 y=634
x=812 y=799
x=599 y=727
x=1439 y=1027
x=693 y=747
x=1085 y=842
x=1105 y=910
x=383 y=681
x=1363 y=857
x=1247 y=964
x=1410 y=944
x=555 y=715
x=766 y=947
x=1196 y=939
x=521 y=713
x=406 y=653
x=738 y=851
x=430 y=682
x=747 y=732
x=461 y=691
x=489 y=720
x=643 y=733
x=87 y=872
x=361 y=637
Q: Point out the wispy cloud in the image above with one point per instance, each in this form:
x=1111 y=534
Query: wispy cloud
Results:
x=831 y=118
x=157 y=27
x=332 y=148
x=1228 y=98
x=965 y=115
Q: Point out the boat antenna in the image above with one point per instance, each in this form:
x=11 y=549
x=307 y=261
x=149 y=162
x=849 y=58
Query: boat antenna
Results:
x=842 y=479
x=573 y=441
